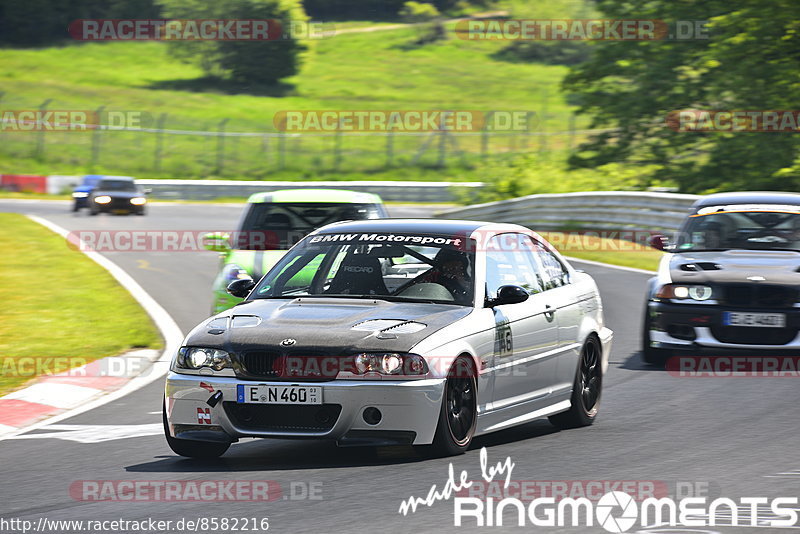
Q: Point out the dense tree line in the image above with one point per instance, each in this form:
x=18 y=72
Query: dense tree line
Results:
x=42 y=22
x=750 y=61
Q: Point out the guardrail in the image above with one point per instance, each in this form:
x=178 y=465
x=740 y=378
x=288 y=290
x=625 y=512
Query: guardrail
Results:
x=601 y=210
x=442 y=192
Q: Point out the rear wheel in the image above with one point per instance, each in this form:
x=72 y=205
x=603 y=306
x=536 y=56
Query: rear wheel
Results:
x=586 y=390
x=190 y=448
x=458 y=415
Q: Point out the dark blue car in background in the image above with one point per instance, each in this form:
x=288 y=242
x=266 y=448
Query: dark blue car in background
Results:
x=81 y=193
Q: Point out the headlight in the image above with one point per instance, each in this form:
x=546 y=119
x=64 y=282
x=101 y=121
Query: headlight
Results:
x=102 y=199
x=79 y=194
x=138 y=201
x=234 y=272
x=199 y=357
x=390 y=363
x=684 y=292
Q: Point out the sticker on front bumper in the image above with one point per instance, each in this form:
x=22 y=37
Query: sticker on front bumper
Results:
x=204 y=416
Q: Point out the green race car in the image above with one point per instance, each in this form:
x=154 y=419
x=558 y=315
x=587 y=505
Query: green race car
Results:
x=272 y=223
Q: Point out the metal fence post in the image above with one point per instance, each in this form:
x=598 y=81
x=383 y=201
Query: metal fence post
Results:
x=337 y=148
x=159 y=142
x=220 y=147
x=281 y=150
x=389 y=147
x=96 y=139
x=542 y=123
x=485 y=135
x=39 y=152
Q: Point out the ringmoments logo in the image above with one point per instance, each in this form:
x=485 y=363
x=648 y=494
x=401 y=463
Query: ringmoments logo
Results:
x=615 y=510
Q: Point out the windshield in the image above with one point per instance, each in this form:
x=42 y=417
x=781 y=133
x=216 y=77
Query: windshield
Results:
x=116 y=185
x=742 y=227
x=279 y=226
x=417 y=268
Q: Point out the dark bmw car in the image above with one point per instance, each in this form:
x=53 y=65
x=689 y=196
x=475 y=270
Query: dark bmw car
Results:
x=117 y=194
x=730 y=280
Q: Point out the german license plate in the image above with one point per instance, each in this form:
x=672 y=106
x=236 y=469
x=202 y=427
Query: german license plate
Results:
x=263 y=394
x=764 y=320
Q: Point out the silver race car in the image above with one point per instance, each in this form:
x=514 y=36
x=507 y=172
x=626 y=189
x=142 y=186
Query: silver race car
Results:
x=387 y=332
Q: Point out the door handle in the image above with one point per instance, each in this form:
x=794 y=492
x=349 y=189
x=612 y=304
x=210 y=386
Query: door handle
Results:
x=549 y=311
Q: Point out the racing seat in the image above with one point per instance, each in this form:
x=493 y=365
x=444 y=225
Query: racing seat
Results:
x=359 y=274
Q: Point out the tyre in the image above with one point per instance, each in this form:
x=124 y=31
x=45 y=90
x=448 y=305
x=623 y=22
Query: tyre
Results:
x=75 y=206
x=650 y=355
x=458 y=415
x=204 y=450
x=587 y=389
x=93 y=211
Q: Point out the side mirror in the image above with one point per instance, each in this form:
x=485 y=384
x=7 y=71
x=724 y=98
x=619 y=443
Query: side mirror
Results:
x=147 y=190
x=242 y=287
x=658 y=242
x=509 y=294
x=216 y=242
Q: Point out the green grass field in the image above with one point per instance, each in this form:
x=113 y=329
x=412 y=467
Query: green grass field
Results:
x=612 y=251
x=354 y=71
x=60 y=305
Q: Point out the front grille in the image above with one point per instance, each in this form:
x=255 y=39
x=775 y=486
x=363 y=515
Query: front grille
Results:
x=120 y=203
x=303 y=365
x=758 y=296
x=262 y=364
x=753 y=336
x=283 y=417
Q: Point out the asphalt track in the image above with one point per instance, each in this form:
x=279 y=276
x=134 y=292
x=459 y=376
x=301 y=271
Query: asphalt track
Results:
x=738 y=437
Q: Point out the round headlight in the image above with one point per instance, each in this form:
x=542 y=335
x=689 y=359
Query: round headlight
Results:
x=138 y=201
x=390 y=363
x=219 y=360
x=415 y=365
x=102 y=199
x=681 y=292
x=700 y=292
x=363 y=363
x=199 y=357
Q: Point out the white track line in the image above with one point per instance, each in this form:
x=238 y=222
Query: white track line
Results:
x=609 y=265
x=170 y=331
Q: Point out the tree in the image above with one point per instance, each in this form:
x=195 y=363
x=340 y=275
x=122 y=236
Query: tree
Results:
x=252 y=62
x=751 y=61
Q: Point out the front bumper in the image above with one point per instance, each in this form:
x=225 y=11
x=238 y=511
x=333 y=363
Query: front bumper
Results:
x=699 y=327
x=409 y=411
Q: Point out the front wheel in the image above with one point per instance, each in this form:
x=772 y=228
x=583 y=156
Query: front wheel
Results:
x=586 y=390
x=204 y=450
x=458 y=415
x=650 y=355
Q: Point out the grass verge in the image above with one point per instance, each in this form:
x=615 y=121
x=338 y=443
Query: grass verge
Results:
x=605 y=250
x=61 y=309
